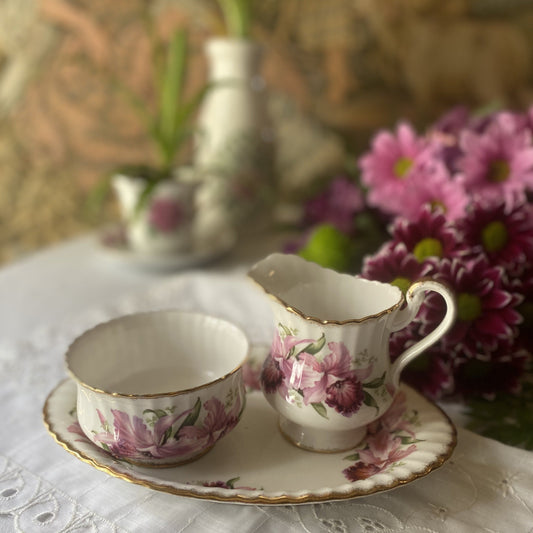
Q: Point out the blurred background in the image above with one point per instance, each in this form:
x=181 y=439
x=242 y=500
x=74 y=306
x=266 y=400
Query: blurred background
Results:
x=335 y=71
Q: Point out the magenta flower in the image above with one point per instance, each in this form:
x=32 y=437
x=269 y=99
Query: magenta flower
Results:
x=497 y=163
x=346 y=395
x=390 y=165
x=430 y=236
x=395 y=265
x=166 y=214
x=487 y=378
x=486 y=312
x=523 y=285
x=337 y=205
x=504 y=235
x=271 y=375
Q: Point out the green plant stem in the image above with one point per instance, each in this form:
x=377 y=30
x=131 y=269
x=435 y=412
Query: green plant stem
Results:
x=237 y=14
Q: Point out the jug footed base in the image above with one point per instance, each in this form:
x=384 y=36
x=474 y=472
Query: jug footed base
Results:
x=320 y=440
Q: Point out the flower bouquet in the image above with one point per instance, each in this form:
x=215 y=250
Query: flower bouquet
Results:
x=454 y=204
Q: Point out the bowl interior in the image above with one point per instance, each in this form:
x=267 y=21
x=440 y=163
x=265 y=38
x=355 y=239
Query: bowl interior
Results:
x=156 y=353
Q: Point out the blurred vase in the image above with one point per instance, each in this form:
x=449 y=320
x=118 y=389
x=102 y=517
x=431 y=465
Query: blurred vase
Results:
x=234 y=145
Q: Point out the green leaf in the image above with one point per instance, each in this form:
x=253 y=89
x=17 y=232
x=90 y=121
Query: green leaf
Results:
x=285 y=329
x=369 y=400
x=320 y=409
x=192 y=417
x=171 y=92
x=144 y=197
x=375 y=383
x=315 y=347
x=231 y=482
x=507 y=418
x=238 y=16
x=159 y=413
x=409 y=440
x=352 y=457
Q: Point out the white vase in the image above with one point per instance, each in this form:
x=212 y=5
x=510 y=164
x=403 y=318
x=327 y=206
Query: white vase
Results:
x=164 y=224
x=234 y=147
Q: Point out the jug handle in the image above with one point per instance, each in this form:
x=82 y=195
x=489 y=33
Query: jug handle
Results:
x=414 y=298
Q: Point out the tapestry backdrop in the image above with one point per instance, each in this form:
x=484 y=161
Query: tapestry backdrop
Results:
x=336 y=72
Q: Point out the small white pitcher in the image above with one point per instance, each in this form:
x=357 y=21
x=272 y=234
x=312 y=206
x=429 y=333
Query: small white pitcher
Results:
x=329 y=373
x=165 y=224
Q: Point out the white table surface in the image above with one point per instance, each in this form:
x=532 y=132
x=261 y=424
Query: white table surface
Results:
x=50 y=297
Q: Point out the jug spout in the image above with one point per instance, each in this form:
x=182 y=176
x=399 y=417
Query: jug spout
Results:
x=321 y=295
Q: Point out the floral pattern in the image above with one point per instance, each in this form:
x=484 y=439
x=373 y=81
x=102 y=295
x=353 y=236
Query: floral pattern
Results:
x=166 y=215
x=229 y=484
x=320 y=373
x=389 y=440
x=162 y=433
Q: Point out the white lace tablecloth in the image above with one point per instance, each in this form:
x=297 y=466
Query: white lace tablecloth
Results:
x=50 y=298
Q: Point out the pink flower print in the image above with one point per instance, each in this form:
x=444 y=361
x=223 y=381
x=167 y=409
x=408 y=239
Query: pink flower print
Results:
x=251 y=373
x=166 y=214
x=334 y=367
x=215 y=425
x=277 y=373
x=360 y=471
x=345 y=396
x=393 y=419
x=131 y=438
x=76 y=428
x=383 y=451
x=271 y=375
x=334 y=382
x=281 y=347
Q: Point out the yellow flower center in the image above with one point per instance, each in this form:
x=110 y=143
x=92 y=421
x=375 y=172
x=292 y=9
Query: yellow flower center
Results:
x=428 y=247
x=402 y=283
x=435 y=204
x=402 y=166
x=494 y=236
x=468 y=307
x=499 y=171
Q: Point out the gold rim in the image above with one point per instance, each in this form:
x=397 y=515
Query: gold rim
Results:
x=242 y=498
x=158 y=394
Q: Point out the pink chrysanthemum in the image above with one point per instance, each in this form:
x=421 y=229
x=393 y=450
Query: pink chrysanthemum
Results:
x=394 y=264
x=498 y=162
x=429 y=236
x=504 y=235
x=436 y=190
x=337 y=205
x=486 y=313
x=391 y=163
